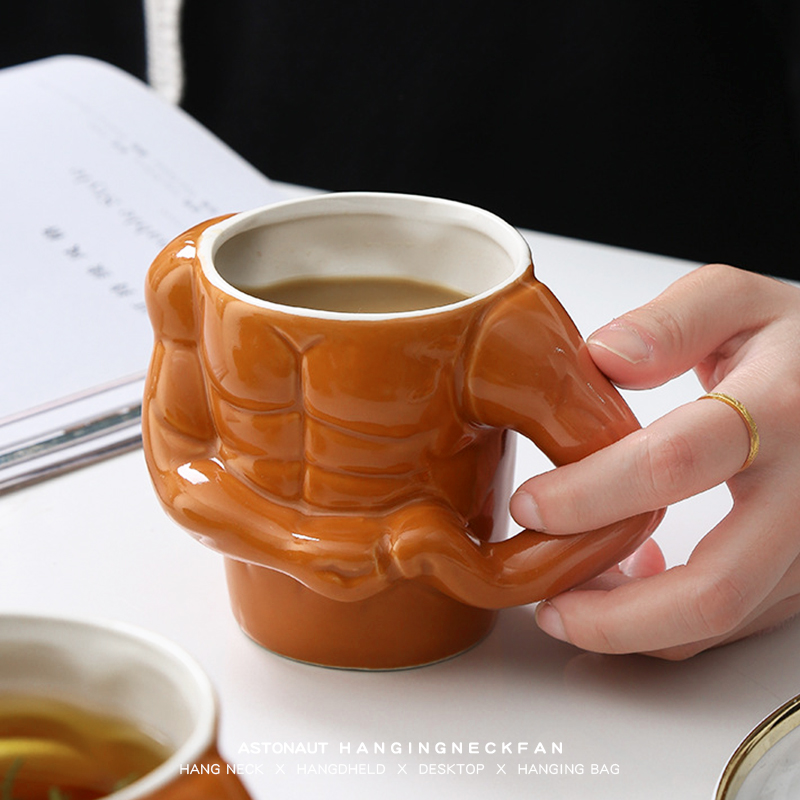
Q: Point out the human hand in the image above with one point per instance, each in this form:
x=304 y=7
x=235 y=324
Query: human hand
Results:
x=740 y=332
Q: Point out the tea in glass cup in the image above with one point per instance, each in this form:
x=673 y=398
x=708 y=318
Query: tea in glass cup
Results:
x=90 y=709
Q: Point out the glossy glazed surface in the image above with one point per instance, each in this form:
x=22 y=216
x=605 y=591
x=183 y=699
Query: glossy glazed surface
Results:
x=357 y=455
x=406 y=625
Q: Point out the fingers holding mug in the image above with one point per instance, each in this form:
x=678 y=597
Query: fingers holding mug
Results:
x=743 y=575
x=732 y=328
x=689 y=450
x=730 y=587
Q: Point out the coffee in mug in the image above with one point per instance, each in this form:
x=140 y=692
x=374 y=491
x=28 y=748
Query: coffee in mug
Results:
x=358 y=295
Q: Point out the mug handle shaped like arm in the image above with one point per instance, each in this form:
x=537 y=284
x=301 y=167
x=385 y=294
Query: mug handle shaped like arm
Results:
x=530 y=371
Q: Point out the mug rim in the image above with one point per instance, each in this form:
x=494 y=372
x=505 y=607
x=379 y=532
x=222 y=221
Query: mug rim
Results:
x=55 y=629
x=430 y=209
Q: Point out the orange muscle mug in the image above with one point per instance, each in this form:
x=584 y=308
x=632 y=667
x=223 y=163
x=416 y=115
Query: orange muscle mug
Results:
x=354 y=466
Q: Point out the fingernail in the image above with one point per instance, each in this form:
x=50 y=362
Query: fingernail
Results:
x=549 y=620
x=628 y=566
x=525 y=511
x=622 y=341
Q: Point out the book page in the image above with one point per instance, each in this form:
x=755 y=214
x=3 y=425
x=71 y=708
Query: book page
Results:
x=98 y=174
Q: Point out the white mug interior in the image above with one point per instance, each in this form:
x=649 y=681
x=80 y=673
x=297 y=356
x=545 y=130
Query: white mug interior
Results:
x=357 y=234
x=118 y=670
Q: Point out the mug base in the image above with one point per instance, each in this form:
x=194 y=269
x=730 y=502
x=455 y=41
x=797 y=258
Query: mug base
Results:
x=407 y=625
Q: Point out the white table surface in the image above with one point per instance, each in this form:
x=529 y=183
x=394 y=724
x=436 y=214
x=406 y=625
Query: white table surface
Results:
x=96 y=543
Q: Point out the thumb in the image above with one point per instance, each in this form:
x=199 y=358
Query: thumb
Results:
x=630 y=351
x=676 y=331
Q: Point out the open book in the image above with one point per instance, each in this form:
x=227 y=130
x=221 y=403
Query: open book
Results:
x=98 y=174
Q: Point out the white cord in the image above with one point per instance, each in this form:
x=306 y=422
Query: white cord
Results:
x=164 y=57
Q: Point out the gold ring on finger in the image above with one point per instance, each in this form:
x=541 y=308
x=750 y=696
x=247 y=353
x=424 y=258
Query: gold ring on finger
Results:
x=752 y=429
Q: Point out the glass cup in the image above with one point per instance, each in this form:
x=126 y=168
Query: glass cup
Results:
x=128 y=680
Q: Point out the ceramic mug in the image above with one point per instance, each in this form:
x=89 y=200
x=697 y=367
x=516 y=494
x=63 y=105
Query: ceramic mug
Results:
x=355 y=468
x=124 y=674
